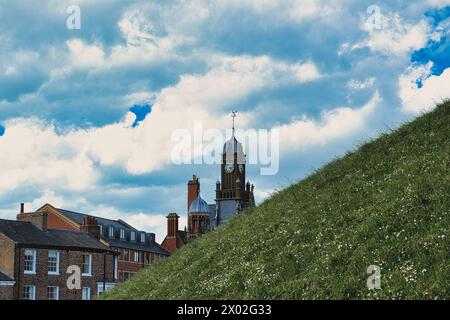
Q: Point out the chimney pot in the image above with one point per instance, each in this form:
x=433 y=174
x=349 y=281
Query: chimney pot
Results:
x=22 y=207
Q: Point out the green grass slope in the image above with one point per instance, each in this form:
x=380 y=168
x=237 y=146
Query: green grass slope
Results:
x=386 y=204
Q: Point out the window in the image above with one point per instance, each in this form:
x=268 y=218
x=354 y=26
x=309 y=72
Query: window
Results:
x=103 y=288
x=101 y=230
x=53 y=262
x=87 y=264
x=133 y=236
x=86 y=293
x=142 y=237
x=122 y=234
x=53 y=293
x=147 y=258
x=111 y=232
x=136 y=256
x=126 y=255
x=29 y=292
x=29 y=262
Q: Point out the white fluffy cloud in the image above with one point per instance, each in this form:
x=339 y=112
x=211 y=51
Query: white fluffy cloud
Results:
x=394 y=36
x=334 y=124
x=34 y=153
x=85 y=56
x=288 y=10
x=434 y=89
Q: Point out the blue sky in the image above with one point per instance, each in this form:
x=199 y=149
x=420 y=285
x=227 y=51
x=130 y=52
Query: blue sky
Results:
x=86 y=115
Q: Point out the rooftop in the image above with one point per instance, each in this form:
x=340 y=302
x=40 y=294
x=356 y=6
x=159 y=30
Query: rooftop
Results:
x=25 y=233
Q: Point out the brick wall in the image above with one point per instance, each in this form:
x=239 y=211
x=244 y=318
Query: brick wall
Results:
x=54 y=221
x=42 y=279
x=172 y=244
x=131 y=267
x=7 y=255
x=6 y=292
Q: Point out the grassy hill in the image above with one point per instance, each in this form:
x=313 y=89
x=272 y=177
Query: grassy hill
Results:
x=386 y=204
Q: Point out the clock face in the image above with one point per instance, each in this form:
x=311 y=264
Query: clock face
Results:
x=241 y=168
x=229 y=168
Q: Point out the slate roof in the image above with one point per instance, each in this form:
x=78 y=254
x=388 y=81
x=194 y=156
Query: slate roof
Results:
x=232 y=143
x=117 y=224
x=155 y=247
x=78 y=218
x=25 y=233
x=4 y=277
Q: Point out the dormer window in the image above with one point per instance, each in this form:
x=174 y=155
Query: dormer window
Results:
x=142 y=237
x=111 y=232
x=101 y=230
x=122 y=234
x=133 y=236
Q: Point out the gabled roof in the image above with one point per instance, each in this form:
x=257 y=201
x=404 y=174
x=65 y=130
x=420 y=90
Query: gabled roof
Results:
x=25 y=233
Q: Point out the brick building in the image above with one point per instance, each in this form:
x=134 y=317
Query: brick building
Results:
x=34 y=260
x=136 y=249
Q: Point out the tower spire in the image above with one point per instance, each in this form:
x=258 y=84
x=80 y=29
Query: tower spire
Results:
x=233 y=115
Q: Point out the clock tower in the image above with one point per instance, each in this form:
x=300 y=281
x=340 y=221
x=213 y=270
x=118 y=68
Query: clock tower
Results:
x=232 y=192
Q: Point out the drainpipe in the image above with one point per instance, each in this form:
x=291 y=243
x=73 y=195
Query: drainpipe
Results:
x=18 y=273
x=104 y=272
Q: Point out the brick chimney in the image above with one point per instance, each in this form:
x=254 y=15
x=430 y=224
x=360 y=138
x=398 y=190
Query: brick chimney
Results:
x=172 y=225
x=39 y=219
x=91 y=226
x=22 y=207
x=193 y=190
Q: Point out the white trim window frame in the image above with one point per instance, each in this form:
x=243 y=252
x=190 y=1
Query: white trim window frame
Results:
x=86 y=293
x=136 y=256
x=29 y=263
x=133 y=236
x=55 y=293
x=53 y=261
x=29 y=292
x=122 y=234
x=111 y=232
x=87 y=264
x=143 y=237
x=108 y=286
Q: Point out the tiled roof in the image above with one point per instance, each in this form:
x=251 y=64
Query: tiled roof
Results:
x=25 y=233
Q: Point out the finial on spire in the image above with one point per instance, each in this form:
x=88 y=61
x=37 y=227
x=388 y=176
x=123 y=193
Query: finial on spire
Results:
x=233 y=115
